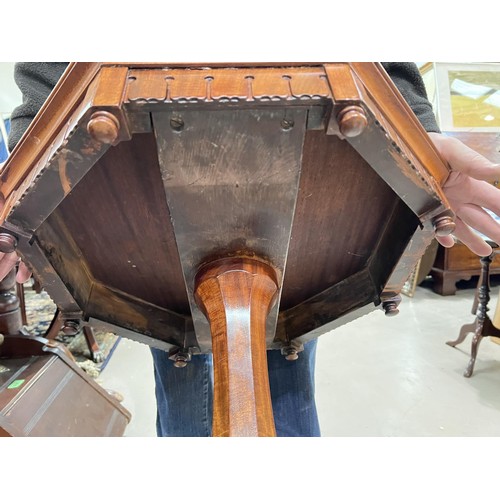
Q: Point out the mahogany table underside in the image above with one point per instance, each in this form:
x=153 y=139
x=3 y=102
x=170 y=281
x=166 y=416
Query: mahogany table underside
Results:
x=311 y=178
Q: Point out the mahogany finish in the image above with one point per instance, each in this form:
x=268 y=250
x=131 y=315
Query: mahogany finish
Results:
x=103 y=127
x=44 y=393
x=486 y=144
x=236 y=296
x=141 y=174
x=458 y=263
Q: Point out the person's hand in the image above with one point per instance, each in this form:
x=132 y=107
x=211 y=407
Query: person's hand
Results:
x=9 y=260
x=469 y=193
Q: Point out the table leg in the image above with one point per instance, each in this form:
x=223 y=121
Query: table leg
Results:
x=236 y=296
x=95 y=351
x=482 y=326
x=72 y=328
x=464 y=331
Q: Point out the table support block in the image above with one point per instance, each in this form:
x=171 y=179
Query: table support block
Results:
x=236 y=295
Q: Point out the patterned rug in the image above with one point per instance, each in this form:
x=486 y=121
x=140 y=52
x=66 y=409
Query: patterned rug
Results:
x=39 y=313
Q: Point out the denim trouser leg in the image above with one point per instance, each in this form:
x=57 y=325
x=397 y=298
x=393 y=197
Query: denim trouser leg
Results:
x=184 y=395
x=292 y=393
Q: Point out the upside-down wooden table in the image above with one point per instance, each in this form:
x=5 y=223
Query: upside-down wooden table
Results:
x=224 y=208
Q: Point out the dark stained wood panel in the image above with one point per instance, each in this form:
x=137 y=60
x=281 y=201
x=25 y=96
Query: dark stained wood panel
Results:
x=119 y=218
x=341 y=209
x=90 y=206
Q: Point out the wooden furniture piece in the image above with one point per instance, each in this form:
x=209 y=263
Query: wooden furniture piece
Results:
x=464 y=100
x=224 y=208
x=44 y=393
x=72 y=328
x=457 y=263
x=11 y=306
x=482 y=325
x=13 y=317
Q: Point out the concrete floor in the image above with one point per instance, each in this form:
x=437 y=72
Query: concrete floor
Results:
x=376 y=376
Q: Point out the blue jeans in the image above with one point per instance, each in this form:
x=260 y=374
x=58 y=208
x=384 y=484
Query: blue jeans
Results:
x=184 y=395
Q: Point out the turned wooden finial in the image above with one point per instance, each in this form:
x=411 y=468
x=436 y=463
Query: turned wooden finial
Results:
x=71 y=327
x=352 y=121
x=8 y=243
x=103 y=127
x=391 y=305
x=443 y=226
x=236 y=295
x=180 y=356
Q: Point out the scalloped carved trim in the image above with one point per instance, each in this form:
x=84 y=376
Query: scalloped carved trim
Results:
x=231 y=85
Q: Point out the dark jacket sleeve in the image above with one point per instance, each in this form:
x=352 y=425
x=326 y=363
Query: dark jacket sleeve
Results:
x=408 y=80
x=36 y=81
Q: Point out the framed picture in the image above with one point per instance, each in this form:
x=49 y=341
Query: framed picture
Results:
x=466 y=96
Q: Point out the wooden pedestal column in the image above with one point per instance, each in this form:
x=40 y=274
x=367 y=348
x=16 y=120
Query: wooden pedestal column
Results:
x=236 y=295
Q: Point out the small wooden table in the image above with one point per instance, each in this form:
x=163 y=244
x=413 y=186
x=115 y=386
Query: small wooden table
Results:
x=482 y=325
x=224 y=208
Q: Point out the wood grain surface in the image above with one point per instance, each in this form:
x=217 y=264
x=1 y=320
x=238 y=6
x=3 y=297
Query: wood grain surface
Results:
x=236 y=296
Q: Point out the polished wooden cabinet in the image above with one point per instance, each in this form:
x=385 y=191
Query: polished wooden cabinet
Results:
x=455 y=264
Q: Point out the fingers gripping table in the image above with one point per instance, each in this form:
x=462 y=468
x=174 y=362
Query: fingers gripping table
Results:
x=224 y=208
